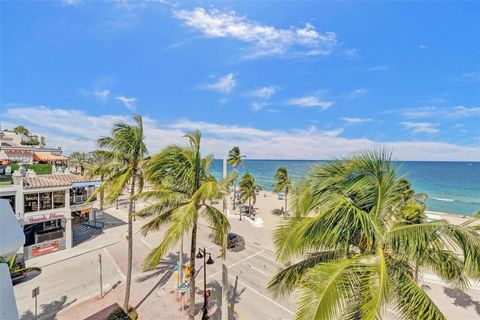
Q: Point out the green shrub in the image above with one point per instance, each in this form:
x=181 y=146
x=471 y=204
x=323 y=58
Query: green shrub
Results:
x=119 y=314
x=38 y=168
x=33 y=142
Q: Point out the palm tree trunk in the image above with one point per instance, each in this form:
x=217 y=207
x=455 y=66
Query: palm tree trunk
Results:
x=130 y=247
x=234 y=193
x=102 y=195
x=116 y=204
x=193 y=251
x=286 y=197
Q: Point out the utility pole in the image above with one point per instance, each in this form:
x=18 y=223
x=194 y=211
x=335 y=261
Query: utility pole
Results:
x=224 y=260
x=101 y=275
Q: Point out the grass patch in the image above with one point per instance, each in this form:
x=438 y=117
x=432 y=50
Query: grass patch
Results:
x=5 y=181
x=38 y=168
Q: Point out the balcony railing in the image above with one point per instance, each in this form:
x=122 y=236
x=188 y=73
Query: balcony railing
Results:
x=79 y=199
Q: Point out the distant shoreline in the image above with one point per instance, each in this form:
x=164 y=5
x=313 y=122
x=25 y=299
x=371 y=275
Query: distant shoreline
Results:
x=333 y=159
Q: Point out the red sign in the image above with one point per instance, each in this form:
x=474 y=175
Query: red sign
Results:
x=45 y=217
x=45 y=248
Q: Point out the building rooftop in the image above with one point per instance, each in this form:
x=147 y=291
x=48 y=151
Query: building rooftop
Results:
x=54 y=180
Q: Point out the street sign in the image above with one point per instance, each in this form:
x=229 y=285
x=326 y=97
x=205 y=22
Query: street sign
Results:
x=35 y=292
x=183 y=287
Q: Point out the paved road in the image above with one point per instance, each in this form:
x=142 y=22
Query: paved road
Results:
x=64 y=283
x=74 y=280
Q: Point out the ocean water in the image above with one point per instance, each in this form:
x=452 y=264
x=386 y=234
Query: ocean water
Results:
x=452 y=187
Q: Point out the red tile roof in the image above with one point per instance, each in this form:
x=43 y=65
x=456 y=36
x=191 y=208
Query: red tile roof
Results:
x=17 y=151
x=53 y=180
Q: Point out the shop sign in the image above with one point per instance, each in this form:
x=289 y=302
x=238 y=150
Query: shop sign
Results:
x=46 y=247
x=44 y=217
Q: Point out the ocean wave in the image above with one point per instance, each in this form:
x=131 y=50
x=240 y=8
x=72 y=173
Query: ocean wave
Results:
x=443 y=199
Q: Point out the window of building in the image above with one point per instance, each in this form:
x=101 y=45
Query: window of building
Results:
x=58 y=199
x=31 y=202
x=45 y=201
x=52 y=224
x=10 y=199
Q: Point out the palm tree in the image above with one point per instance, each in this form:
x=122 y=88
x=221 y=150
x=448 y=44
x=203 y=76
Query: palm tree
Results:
x=183 y=189
x=127 y=150
x=78 y=159
x=16 y=269
x=282 y=183
x=248 y=191
x=235 y=159
x=100 y=165
x=359 y=252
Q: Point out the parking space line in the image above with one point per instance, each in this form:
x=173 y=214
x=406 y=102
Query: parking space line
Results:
x=259 y=270
x=115 y=264
x=262 y=295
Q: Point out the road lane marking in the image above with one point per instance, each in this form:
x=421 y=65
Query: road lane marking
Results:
x=262 y=295
x=236 y=263
x=247 y=258
x=146 y=243
x=115 y=264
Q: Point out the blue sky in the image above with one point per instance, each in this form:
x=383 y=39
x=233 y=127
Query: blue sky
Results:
x=291 y=80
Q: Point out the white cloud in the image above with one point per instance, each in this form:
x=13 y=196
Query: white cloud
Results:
x=378 y=68
x=357 y=93
x=421 y=127
x=257 y=106
x=72 y=2
x=75 y=130
x=99 y=94
x=224 y=84
x=448 y=112
x=130 y=103
x=310 y=102
x=266 y=40
x=350 y=53
x=356 y=120
x=422 y=46
x=469 y=76
x=462 y=111
x=263 y=93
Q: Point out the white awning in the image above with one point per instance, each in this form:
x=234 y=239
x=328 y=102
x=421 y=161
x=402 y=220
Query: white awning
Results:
x=11 y=234
x=8 y=305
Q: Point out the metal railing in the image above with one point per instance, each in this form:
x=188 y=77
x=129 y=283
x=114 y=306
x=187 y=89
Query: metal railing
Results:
x=95 y=224
x=78 y=199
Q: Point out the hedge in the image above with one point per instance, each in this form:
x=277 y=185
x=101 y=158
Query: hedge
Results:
x=38 y=168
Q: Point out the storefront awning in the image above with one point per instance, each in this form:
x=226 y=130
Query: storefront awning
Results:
x=84 y=211
x=46 y=156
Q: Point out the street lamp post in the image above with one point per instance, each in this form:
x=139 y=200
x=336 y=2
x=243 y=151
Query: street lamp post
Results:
x=203 y=254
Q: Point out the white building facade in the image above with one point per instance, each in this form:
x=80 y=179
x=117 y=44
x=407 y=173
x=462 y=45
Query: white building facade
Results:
x=47 y=207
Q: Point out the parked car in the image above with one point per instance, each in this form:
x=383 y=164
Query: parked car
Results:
x=233 y=240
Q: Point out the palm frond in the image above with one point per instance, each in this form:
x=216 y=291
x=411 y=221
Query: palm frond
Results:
x=219 y=225
x=182 y=220
x=284 y=282
x=411 y=300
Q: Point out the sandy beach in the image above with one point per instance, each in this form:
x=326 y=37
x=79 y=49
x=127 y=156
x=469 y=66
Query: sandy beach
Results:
x=268 y=202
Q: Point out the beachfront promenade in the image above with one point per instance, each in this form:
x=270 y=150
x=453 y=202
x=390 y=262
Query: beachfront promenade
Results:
x=69 y=283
